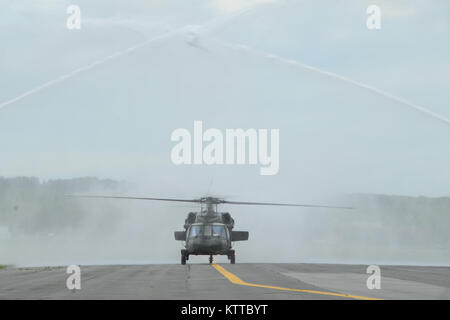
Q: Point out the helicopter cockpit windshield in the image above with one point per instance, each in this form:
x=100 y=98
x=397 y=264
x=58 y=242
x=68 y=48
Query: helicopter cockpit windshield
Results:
x=195 y=231
x=219 y=231
x=208 y=231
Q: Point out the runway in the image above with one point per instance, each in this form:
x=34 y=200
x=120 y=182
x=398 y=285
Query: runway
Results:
x=228 y=282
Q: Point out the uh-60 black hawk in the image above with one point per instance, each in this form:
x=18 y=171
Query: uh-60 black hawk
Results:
x=210 y=232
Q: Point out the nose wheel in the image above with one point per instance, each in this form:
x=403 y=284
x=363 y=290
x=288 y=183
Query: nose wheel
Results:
x=211 y=259
x=184 y=257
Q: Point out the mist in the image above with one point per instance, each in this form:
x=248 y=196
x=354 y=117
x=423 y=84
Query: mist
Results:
x=84 y=104
x=381 y=229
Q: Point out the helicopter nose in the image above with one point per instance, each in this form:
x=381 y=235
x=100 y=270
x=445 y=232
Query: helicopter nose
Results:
x=209 y=244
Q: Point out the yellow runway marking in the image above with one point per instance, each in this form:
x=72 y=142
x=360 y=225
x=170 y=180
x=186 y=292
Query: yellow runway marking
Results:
x=236 y=280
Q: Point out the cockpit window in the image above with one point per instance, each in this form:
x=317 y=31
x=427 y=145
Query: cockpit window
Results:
x=195 y=231
x=208 y=231
x=219 y=231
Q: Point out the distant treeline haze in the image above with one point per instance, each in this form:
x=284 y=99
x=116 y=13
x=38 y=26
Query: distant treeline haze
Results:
x=29 y=206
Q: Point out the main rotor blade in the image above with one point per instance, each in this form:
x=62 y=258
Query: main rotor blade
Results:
x=134 y=198
x=215 y=201
x=284 y=204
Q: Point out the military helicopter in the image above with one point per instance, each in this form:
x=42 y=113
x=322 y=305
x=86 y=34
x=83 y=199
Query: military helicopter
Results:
x=210 y=232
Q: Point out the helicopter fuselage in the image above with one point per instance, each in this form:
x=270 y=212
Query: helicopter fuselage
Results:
x=209 y=232
x=208 y=239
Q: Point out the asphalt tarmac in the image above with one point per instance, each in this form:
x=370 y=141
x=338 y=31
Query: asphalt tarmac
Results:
x=225 y=281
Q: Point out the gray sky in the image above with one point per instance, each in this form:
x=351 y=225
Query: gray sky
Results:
x=115 y=120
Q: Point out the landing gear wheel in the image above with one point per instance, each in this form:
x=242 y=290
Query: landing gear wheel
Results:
x=183 y=257
x=210 y=259
x=232 y=257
